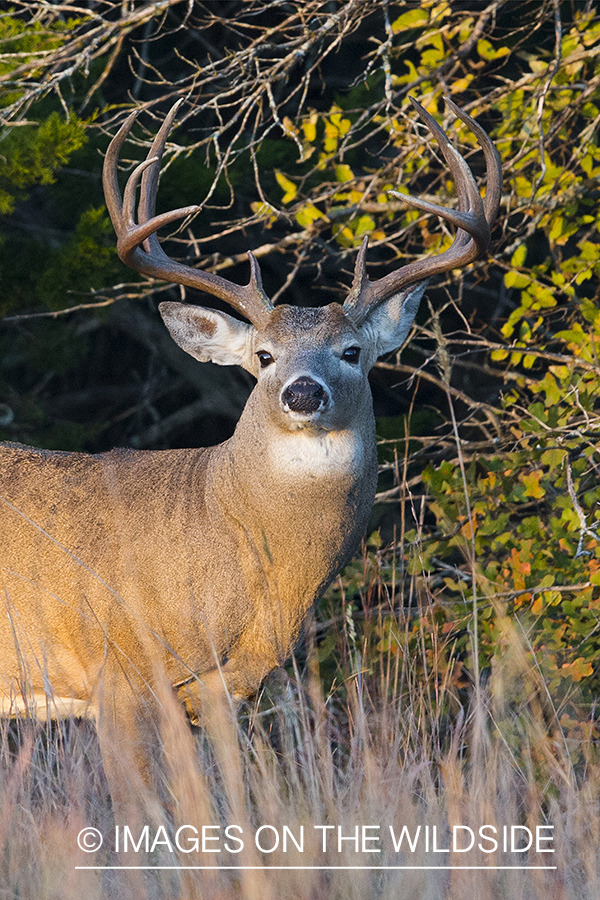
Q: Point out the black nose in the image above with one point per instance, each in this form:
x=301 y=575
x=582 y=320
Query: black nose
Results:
x=304 y=395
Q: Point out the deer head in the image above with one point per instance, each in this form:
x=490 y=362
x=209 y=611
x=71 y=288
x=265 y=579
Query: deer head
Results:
x=346 y=339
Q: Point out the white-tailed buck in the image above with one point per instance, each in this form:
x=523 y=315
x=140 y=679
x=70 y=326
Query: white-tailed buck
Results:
x=208 y=560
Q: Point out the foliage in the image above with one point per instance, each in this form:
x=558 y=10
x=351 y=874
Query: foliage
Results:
x=32 y=154
x=82 y=262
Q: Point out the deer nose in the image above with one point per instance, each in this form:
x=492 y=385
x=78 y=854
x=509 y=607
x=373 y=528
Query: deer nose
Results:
x=304 y=395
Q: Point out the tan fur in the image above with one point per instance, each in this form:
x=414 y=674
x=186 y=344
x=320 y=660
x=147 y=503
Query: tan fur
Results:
x=201 y=564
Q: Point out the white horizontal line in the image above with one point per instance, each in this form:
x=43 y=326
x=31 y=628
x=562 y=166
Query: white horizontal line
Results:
x=311 y=868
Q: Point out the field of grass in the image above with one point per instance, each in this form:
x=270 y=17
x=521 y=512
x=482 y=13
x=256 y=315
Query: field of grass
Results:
x=384 y=750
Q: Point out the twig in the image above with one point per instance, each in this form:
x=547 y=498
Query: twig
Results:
x=586 y=530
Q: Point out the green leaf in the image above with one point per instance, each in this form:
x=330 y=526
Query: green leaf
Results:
x=553 y=458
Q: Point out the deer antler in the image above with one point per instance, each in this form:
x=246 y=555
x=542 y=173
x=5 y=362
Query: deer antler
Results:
x=473 y=219
x=137 y=243
x=138 y=246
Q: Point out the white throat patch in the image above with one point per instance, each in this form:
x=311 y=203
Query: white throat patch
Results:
x=322 y=454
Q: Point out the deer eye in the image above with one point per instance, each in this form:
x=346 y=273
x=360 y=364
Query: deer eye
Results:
x=351 y=355
x=265 y=359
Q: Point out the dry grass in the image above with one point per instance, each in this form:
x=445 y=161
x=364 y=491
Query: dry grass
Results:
x=368 y=755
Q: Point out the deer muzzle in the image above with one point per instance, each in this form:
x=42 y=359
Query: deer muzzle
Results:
x=304 y=395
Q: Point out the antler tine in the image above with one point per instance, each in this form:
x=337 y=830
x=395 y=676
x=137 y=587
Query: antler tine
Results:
x=493 y=191
x=473 y=219
x=138 y=246
x=112 y=193
x=149 y=189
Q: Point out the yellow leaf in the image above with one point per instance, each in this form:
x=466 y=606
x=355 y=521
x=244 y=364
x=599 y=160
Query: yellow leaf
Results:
x=469 y=528
x=461 y=84
x=308 y=214
x=343 y=235
x=465 y=29
x=485 y=49
x=578 y=669
x=538 y=66
x=537 y=605
x=543 y=296
x=532 y=484
x=412 y=19
x=516 y=279
x=561 y=372
x=309 y=127
x=523 y=186
x=550 y=387
x=518 y=257
x=343 y=173
x=262 y=209
x=307 y=151
x=365 y=224
x=288 y=186
x=289 y=126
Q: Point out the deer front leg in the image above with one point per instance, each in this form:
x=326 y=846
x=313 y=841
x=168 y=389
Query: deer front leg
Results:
x=237 y=679
x=128 y=733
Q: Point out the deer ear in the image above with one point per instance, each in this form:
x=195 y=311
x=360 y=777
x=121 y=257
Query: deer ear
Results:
x=390 y=322
x=208 y=335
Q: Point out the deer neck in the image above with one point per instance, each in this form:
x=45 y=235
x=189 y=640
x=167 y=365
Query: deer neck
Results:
x=269 y=460
x=303 y=498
